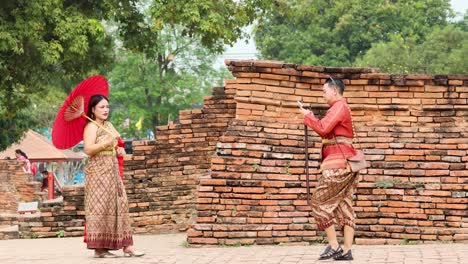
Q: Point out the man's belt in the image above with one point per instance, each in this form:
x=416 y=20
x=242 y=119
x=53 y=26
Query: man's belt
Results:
x=337 y=140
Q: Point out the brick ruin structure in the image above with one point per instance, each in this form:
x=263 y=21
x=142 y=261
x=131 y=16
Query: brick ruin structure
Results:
x=233 y=171
x=20 y=186
x=162 y=176
x=60 y=215
x=413 y=129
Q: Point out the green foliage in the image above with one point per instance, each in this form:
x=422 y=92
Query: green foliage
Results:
x=463 y=23
x=156 y=88
x=287 y=166
x=184 y=244
x=45 y=105
x=335 y=33
x=386 y=183
x=443 y=51
x=407 y=241
x=54 y=44
x=238 y=244
x=215 y=23
x=168 y=51
x=255 y=166
x=42 y=41
x=60 y=233
x=13 y=124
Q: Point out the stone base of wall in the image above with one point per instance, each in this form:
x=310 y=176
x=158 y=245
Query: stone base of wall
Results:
x=8 y=226
x=9 y=232
x=63 y=216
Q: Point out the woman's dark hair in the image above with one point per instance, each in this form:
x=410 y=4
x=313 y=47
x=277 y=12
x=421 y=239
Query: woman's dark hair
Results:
x=93 y=101
x=19 y=151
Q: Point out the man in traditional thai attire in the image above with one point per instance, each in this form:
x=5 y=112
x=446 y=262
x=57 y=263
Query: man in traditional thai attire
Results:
x=331 y=199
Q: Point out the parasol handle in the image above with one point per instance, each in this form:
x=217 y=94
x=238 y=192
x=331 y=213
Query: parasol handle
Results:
x=97 y=124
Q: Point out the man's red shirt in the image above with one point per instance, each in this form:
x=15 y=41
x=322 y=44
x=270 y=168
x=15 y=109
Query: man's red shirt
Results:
x=337 y=122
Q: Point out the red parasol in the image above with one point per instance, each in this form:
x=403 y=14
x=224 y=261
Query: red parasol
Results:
x=71 y=118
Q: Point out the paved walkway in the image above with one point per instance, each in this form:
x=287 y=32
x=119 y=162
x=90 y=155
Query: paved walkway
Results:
x=168 y=249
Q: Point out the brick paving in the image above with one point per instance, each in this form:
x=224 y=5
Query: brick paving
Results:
x=169 y=249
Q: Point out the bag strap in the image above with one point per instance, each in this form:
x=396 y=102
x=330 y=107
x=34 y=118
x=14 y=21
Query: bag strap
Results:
x=344 y=157
x=355 y=137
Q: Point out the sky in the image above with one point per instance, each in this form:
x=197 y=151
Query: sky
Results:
x=459 y=5
x=246 y=49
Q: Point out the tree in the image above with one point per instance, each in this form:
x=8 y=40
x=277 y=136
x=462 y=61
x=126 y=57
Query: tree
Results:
x=140 y=89
x=169 y=49
x=45 y=105
x=335 y=33
x=42 y=42
x=443 y=51
x=215 y=23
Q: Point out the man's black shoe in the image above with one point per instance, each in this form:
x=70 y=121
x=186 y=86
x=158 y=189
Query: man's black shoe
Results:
x=330 y=252
x=341 y=256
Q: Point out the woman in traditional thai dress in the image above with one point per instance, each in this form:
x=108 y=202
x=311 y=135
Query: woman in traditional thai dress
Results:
x=106 y=205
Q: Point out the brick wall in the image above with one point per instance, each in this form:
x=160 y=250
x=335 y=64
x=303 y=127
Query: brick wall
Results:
x=65 y=215
x=60 y=216
x=162 y=176
x=16 y=186
x=413 y=129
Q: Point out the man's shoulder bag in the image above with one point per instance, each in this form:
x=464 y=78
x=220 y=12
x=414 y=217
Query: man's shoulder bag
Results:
x=357 y=162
